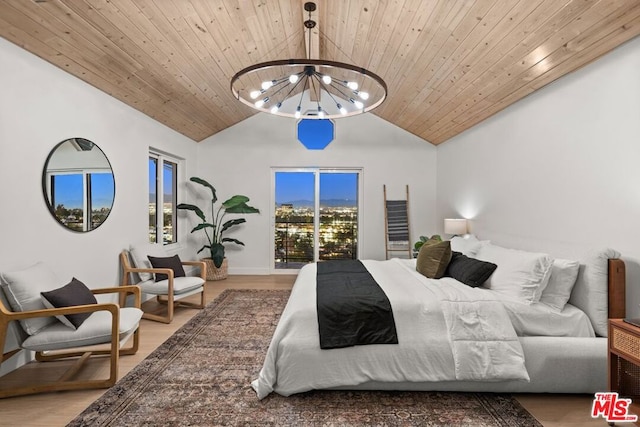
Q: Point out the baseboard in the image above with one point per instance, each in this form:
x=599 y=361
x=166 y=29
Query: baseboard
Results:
x=249 y=271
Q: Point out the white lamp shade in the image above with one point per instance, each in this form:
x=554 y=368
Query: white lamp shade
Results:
x=455 y=226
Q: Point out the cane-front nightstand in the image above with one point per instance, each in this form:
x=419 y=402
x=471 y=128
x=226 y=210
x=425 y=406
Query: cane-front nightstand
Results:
x=624 y=361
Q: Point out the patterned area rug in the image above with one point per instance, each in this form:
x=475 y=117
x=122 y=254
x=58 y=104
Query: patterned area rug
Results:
x=201 y=377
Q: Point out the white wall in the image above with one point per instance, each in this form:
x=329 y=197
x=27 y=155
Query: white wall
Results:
x=558 y=171
x=41 y=105
x=239 y=161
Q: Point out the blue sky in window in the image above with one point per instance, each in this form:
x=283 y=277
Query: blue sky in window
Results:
x=167 y=178
x=102 y=190
x=342 y=186
x=299 y=186
x=68 y=191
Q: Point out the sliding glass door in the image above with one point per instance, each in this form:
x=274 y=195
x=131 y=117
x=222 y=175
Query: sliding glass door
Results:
x=316 y=216
x=295 y=213
x=338 y=229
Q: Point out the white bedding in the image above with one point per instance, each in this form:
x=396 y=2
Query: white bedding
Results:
x=295 y=363
x=536 y=319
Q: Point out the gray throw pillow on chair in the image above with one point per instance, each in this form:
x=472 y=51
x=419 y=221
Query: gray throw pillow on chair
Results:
x=139 y=254
x=22 y=289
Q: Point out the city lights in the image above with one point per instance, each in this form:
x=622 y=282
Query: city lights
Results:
x=294 y=237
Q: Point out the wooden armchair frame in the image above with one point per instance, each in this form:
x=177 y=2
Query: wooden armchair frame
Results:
x=64 y=382
x=170 y=299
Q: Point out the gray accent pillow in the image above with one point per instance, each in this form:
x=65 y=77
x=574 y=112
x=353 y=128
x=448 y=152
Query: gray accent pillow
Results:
x=470 y=271
x=139 y=255
x=433 y=259
x=22 y=289
x=73 y=293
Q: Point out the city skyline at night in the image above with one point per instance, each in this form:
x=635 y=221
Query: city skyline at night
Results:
x=297 y=234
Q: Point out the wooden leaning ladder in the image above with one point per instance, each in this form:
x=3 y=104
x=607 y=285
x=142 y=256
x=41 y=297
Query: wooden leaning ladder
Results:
x=396 y=222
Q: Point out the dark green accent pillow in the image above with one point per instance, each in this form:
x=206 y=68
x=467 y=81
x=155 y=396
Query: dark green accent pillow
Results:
x=172 y=262
x=433 y=259
x=470 y=271
x=73 y=293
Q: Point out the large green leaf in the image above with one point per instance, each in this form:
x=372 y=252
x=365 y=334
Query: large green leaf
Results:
x=235 y=200
x=194 y=208
x=244 y=208
x=231 y=223
x=230 y=240
x=203 y=226
x=203 y=248
x=238 y=204
x=201 y=181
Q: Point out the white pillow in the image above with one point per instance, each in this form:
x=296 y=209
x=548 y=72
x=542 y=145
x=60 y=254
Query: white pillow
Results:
x=520 y=274
x=591 y=291
x=467 y=245
x=139 y=255
x=564 y=273
x=22 y=289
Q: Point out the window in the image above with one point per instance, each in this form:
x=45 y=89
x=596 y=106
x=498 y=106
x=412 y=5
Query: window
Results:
x=163 y=196
x=316 y=216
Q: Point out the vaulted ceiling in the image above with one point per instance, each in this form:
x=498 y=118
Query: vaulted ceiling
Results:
x=448 y=64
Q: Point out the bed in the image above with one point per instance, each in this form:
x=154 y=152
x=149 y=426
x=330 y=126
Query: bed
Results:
x=453 y=337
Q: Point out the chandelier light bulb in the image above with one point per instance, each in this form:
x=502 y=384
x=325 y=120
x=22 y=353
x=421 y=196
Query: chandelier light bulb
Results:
x=259 y=103
x=326 y=79
x=352 y=85
x=343 y=110
x=363 y=95
x=267 y=84
x=297 y=113
x=320 y=112
x=275 y=108
x=293 y=78
x=358 y=104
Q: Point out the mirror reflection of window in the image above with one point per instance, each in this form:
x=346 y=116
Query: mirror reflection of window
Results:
x=100 y=197
x=68 y=200
x=78 y=184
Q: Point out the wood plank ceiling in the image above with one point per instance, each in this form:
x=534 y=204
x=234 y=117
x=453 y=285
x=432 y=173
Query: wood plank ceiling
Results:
x=448 y=64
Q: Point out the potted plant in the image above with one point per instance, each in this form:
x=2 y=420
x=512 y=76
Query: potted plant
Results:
x=215 y=229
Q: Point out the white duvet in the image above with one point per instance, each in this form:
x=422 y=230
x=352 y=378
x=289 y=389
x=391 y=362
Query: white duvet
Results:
x=446 y=331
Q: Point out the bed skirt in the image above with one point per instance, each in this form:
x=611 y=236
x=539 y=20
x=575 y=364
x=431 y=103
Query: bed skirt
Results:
x=555 y=365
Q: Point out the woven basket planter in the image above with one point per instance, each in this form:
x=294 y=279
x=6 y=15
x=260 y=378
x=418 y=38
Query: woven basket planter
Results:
x=215 y=273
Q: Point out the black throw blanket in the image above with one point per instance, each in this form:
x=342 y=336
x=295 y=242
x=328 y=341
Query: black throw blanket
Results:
x=352 y=308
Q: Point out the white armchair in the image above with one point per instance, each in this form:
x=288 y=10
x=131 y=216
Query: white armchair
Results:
x=163 y=281
x=90 y=329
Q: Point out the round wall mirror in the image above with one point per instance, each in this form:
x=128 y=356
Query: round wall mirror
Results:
x=78 y=184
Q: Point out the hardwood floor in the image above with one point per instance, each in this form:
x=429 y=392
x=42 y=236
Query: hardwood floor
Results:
x=57 y=409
